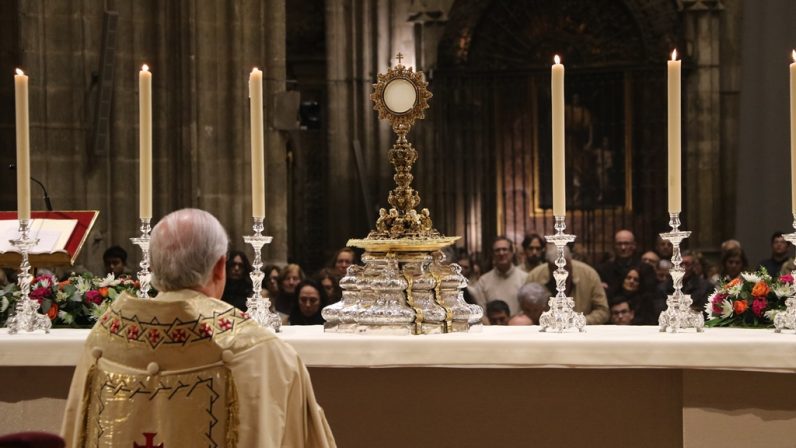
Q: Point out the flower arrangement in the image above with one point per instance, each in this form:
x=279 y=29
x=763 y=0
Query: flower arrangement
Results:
x=75 y=302
x=749 y=300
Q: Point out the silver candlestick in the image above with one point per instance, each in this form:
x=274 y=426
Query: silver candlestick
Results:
x=259 y=307
x=26 y=316
x=144 y=276
x=561 y=316
x=678 y=313
x=787 y=318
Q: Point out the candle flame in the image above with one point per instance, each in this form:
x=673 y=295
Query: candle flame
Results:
x=557 y=59
x=255 y=70
x=145 y=68
x=20 y=72
x=674 y=55
x=794 y=55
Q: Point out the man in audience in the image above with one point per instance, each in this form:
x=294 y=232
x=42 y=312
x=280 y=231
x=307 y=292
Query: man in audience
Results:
x=693 y=284
x=115 y=260
x=621 y=312
x=613 y=272
x=533 y=247
x=583 y=285
x=533 y=299
x=651 y=258
x=185 y=368
x=779 y=253
x=662 y=273
x=497 y=311
x=663 y=248
x=503 y=281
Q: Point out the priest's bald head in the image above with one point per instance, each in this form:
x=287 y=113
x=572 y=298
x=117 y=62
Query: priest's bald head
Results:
x=188 y=251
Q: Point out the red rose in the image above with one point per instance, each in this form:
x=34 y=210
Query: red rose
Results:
x=759 y=305
x=93 y=297
x=787 y=278
x=40 y=293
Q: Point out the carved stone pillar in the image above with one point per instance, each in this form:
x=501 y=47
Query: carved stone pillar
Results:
x=702 y=127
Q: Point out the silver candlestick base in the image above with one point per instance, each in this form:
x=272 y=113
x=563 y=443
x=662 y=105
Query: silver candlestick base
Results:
x=259 y=307
x=144 y=276
x=787 y=318
x=561 y=316
x=26 y=315
x=678 y=313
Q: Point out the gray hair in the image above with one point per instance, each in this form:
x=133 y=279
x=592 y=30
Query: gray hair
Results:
x=533 y=293
x=185 y=246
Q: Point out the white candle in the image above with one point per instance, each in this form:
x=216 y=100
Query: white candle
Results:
x=258 y=164
x=793 y=131
x=23 y=145
x=145 y=142
x=559 y=176
x=673 y=67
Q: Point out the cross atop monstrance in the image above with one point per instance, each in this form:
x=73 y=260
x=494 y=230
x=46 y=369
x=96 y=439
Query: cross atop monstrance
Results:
x=399 y=56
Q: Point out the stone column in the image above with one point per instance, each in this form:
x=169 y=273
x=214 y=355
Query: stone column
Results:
x=276 y=186
x=702 y=123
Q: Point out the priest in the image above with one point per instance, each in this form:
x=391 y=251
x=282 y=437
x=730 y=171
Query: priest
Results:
x=185 y=368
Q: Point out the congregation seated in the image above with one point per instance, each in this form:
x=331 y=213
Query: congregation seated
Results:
x=583 y=285
x=311 y=298
x=533 y=299
x=230 y=382
x=621 y=312
x=612 y=272
x=239 y=285
x=503 y=280
x=115 y=261
x=694 y=285
x=330 y=282
x=779 y=254
x=733 y=262
x=497 y=312
x=285 y=298
x=639 y=288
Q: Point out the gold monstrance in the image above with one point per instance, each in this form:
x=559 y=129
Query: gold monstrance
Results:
x=405 y=285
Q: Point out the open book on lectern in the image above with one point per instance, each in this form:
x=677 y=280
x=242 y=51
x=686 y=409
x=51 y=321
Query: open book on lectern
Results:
x=60 y=236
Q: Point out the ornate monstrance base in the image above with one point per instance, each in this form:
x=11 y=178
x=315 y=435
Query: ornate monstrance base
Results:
x=405 y=287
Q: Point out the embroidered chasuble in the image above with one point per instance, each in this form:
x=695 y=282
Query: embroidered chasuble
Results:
x=187 y=370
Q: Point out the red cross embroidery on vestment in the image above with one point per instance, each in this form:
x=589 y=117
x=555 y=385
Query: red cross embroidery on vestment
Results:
x=150 y=441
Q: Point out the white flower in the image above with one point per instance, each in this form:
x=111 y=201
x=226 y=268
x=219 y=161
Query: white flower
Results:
x=770 y=314
x=726 y=308
x=82 y=285
x=3 y=304
x=751 y=277
x=735 y=290
x=783 y=290
x=66 y=317
x=110 y=280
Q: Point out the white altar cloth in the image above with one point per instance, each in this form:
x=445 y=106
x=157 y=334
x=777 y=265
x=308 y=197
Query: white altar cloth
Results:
x=603 y=346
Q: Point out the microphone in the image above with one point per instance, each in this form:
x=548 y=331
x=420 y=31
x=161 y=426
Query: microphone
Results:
x=13 y=167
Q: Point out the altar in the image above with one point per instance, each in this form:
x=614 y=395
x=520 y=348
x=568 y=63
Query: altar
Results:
x=506 y=386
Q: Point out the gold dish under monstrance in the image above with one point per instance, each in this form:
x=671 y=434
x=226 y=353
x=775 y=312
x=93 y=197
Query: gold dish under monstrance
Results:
x=405 y=285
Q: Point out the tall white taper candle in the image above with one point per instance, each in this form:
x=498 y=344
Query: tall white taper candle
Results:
x=559 y=175
x=145 y=142
x=23 y=145
x=258 y=163
x=674 y=135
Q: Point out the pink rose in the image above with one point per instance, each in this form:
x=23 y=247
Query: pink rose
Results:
x=759 y=305
x=93 y=297
x=718 y=298
x=787 y=278
x=716 y=308
x=40 y=293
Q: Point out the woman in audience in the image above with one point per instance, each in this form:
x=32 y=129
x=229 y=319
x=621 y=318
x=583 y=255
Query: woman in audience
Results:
x=239 y=285
x=342 y=259
x=330 y=283
x=640 y=289
x=290 y=277
x=310 y=300
x=733 y=262
x=271 y=280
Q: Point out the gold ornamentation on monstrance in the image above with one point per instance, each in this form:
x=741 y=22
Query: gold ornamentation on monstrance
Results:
x=405 y=286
